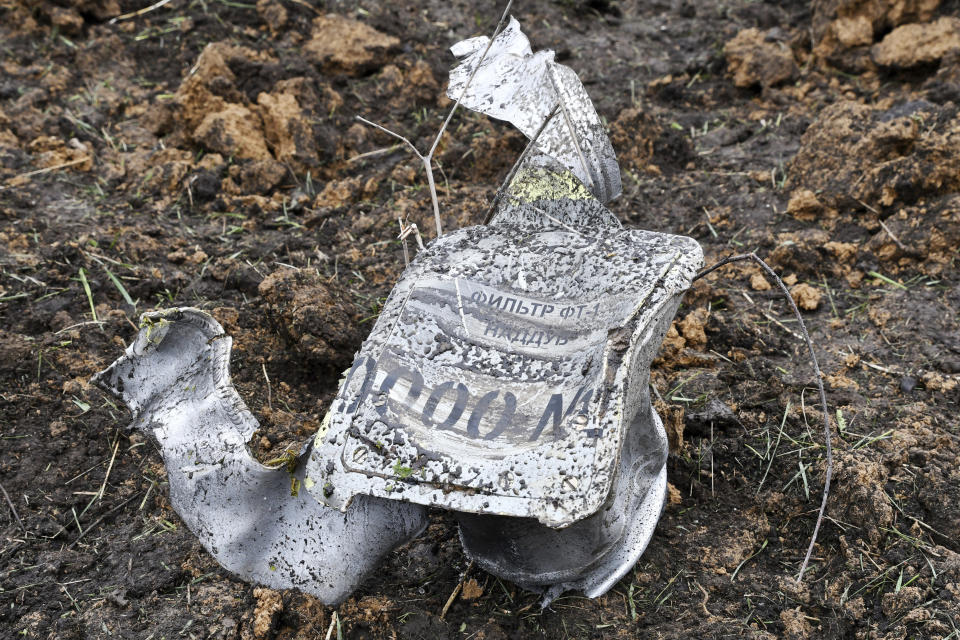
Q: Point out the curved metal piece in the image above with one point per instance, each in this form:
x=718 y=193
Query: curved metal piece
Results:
x=509 y=382
x=591 y=555
x=506 y=379
x=253 y=519
x=513 y=83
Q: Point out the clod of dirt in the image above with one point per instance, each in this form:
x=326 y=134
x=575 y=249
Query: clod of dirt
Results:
x=804 y=205
x=633 y=134
x=49 y=152
x=840 y=25
x=806 y=297
x=71 y=12
x=372 y=612
x=338 y=193
x=262 y=176
x=915 y=44
x=858 y=492
x=408 y=88
x=795 y=624
x=287 y=129
x=944 y=86
x=343 y=45
x=471 y=590
x=759 y=283
x=855 y=156
x=693 y=327
x=673 y=424
x=269 y=606
x=273 y=13
x=727 y=548
x=490 y=154
x=162 y=171
x=674 y=353
x=930 y=230
x=211 y=83
x=311 y=314
x=755 y=59
x=67 y=20
x=214 y=108
x=714 y=414
x=234 y=131
x=902 y=601
x=419 y=82
x=674 y=496
x=843 y=252
x=643 y=144
x=205 y=185
x=937 y=382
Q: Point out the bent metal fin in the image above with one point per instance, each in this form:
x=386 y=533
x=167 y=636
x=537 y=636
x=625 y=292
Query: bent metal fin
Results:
x=510 y=82
x=251 y=518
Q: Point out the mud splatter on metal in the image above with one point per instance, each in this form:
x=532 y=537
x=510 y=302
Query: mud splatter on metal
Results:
x=522 y=87
x=175 y=379
x=506 y=379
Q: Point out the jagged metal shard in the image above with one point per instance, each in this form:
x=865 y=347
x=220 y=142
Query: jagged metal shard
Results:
x=506 y=379
x=514 y=84
x=175 y=379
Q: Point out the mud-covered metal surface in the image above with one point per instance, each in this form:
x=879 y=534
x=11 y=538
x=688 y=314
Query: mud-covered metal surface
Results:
x=506 y=379
x=256 y=521
x=510 y=82
x=496 y=379
x=590 y=555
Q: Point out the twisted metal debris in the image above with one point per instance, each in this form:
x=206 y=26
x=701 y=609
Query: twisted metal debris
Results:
x=506 y=380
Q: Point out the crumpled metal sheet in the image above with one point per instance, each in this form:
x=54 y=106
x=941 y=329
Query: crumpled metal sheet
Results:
x=504 y=380
x=515 y=84
x=175 y=379
x=495 y=381
x=509 y=382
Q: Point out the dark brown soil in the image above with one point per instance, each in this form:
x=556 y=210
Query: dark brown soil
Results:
x=206 y=154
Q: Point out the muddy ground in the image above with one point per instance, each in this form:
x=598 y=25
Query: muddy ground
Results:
x=205 y=153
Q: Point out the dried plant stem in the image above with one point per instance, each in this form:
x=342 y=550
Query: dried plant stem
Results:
x=333 y=624
x=93 y=524
x=269 y=390
x=13 y=509
x=895 y=238
x=139 y=12
x=516 y=165
x=456 y=591
x=816 y=368
x=37 y=172
x=103 y=487
x=496 y=32
x=405 y=231
x=403 y=240
x=427 y=159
